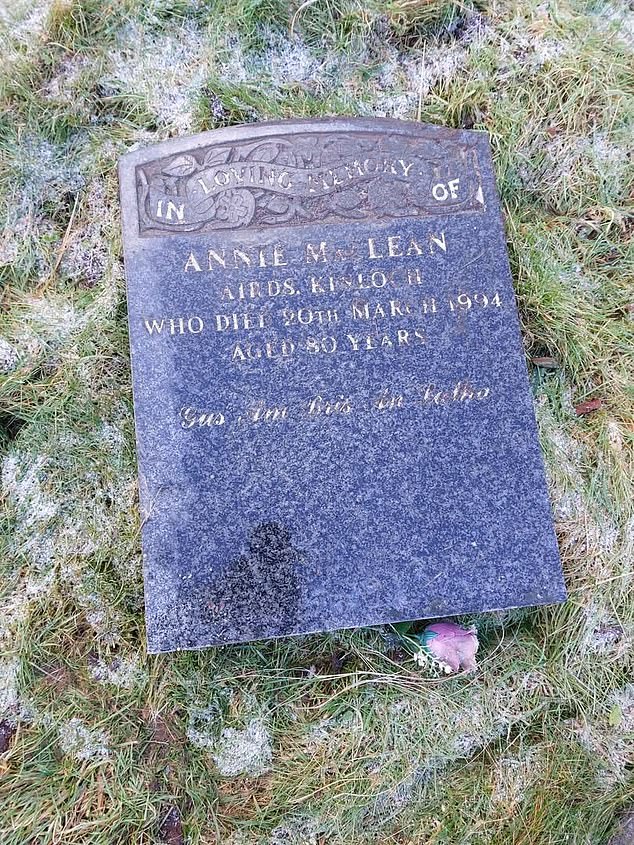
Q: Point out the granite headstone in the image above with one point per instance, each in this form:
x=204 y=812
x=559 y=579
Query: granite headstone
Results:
x=334 y=422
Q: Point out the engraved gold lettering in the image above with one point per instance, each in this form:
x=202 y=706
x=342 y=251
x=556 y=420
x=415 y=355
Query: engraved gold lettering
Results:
x=388 y=401
x=241 y=321
x=372 y=249
x=260 y=413
x=393 y=246
x=242 y=352
x=178 y=210
x=399 y=309
x=192 y=264
x=360 y=310
x=462 y=392
x=414 y=248
x=222 y=178
x=175 y=325
x=441 y=191
x=278 y=256
x=438 y=240
x=238 y=254
x=190 y=417
x=314 y=254
x=318 y=406
x=154 y=326
x=219 y=258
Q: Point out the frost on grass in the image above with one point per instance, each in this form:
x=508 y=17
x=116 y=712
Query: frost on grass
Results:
x=9 y=357
x=204 y=726
x=426 y=738
x=442 y=730
x=123 y=672
x=87 y=255
x=603 y=633
x=292 y=830
x=561 y=167
x=388 y=805
x=29 y=243
x=167 y=71
x=512 y=777
x=398 y=82
x=22 y=485
x=52 y=321
x=83 y=743
x=14 y=607
x=9 y=698
x=66 y=87
x=283 y=61
x=63 y=513
x=290 y=61
x=244 y=752
x=45 y=170
x=87 y=591
x=24 y=479
x=49 y=184
x=407 y=78
x=332 y=730
x=14 y=706
x=404 y=81
x=610 y=739
x=297 y=830
x=43 y=175
x=590 y=535
x=25 y=20
x=616 y=20
x=585 y=524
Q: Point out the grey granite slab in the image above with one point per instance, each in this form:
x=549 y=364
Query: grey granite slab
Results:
x=334 y=422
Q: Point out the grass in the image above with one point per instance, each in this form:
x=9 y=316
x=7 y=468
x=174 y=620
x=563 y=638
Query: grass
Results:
x=337 y=738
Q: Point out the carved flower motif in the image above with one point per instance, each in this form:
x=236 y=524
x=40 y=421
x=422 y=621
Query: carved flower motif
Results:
x=387 y=198
x=164 y=184
x=341 y=148
x=308 y=149
x=236 y=207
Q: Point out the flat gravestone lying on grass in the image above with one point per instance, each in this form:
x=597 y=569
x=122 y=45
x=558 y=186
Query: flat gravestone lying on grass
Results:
x=334 y=422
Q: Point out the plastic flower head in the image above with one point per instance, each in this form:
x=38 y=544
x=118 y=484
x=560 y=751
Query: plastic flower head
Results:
x=452 y=646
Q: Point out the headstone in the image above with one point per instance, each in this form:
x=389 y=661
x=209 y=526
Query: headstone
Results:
x=334 y=422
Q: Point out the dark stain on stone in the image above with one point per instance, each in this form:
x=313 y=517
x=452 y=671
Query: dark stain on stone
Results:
x=260 y=589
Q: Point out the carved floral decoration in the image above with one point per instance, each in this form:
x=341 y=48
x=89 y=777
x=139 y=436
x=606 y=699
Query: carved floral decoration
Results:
x=305 y=178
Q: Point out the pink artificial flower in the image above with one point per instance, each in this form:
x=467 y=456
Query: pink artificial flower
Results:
x=451 y=645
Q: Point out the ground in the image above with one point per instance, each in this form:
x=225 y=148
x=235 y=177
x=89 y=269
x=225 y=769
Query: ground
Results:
x=337 y=739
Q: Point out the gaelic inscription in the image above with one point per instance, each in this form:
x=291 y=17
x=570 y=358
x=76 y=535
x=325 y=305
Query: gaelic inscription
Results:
x=306 y=178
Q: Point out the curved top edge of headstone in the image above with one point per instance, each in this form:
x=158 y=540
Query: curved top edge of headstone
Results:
x=257 y=131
